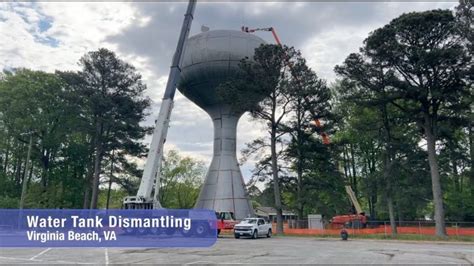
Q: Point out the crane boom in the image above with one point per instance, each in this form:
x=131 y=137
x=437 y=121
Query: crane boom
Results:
x=353 y=199
x=151 y=173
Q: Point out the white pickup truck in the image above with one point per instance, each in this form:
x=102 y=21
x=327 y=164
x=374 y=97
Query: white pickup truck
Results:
x=253 y=227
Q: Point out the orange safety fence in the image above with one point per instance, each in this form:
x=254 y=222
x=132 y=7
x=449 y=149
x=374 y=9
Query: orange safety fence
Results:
x=380 y=230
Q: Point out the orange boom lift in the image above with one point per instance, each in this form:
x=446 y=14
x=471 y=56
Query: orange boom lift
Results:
x=358 y=219
x=316 y=122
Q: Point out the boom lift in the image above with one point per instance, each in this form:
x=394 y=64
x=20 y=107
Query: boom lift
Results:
x=357 y=220
x=353 y=199
x=316 y=123
x=151 y=173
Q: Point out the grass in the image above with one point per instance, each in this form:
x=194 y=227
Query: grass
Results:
x=417 y=237
x=409 y=237
x=405 y=237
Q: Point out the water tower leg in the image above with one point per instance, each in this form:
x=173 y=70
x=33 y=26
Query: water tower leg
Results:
x=224 y=187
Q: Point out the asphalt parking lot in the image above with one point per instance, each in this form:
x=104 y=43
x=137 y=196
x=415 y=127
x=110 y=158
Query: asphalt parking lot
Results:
x=285 y=250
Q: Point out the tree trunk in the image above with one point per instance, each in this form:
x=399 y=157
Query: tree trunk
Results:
x=17 y=174
x=471 y=150
x=454 y=165
x=391 y=214
x=45 y=158
x=87 y=187
x=87 y=197
x=299 y=188
x=354 y=175
x=110 y=179
x=300 y=197
x=89 y=174
x=435 y=180
x=456 y=183
x=7 y=153
x=388 y=179
x=299 y=163
x=373 y=186
x=276 y=183
x=25 y=176
x=97 y=161
x=373 y=204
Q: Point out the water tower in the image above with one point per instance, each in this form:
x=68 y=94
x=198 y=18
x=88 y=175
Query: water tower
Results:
x=211 y=58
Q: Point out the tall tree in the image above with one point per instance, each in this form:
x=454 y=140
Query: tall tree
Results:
x=309 y=101
x=427 y=66
x=369 y=89
x=263 y=88
x=465 y=17
x=115 y=105
x=321 y=189
x=34 y=103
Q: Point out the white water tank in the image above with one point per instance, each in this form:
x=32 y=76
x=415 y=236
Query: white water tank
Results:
x=211 y=58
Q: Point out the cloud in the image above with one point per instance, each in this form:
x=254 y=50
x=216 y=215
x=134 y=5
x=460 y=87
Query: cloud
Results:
x=49 y=36
x=332 y=44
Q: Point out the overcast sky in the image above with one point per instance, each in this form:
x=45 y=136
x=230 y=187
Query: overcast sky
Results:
x=54 y=35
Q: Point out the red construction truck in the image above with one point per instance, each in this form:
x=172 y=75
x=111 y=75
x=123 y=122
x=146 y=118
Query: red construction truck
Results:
x=356 y=220
x=225 y=221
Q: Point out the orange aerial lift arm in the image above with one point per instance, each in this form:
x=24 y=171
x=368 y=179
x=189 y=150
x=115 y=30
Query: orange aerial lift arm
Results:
x=317 y=123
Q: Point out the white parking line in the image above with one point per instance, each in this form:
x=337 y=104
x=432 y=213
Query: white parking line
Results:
x=11 y=258
x=200 y=262
x=30 y=260
x=106 y=256
x=39 y=254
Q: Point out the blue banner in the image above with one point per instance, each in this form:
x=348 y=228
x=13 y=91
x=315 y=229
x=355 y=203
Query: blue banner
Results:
x=107 y=228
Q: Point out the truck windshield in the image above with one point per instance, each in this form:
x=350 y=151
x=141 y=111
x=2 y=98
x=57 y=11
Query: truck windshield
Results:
x=249 y=221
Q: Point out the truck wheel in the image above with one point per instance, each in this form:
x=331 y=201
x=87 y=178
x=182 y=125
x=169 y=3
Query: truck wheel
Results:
x=202 y=229
x=269 y=234
x=187 y=233
x=356 y=224
x=255 y=234
x=236 y=236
